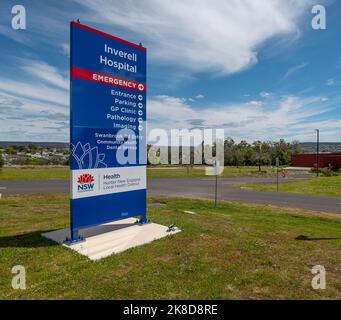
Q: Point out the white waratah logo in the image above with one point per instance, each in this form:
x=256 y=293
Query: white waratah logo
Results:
x=87 y=157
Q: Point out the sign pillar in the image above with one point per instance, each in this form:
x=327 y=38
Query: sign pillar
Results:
x=107 y=128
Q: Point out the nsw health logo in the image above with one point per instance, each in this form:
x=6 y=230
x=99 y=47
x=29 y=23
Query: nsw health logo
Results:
x=85 y=182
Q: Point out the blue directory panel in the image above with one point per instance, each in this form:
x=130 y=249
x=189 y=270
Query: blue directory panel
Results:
x=107 y=128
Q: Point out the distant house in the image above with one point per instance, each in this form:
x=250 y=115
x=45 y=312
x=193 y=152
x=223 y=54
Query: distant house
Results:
x=326 y=159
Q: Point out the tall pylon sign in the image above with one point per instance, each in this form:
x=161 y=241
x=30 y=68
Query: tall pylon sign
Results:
x=107 y=128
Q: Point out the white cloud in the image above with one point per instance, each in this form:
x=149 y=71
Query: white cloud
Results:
x=198 y=35
x=199 y=96
x=294 y=69
x=330 y=82
x=161 y=107
x=46 y=72
x=25 y=119
x=34 y=91
x=66 y=49
x=10 y=33
x=265 y=94
x=288 y=117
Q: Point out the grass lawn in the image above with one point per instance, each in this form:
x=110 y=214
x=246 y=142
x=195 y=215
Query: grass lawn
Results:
x=34 y=173
x=199 y=172
x=50 y=172
x=322 y=186
x=234 y=251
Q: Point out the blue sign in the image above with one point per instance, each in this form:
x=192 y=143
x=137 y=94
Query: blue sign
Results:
x=107 y=128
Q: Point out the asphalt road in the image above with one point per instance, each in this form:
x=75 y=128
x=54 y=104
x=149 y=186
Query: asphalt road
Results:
x=198 y=189
x=205 y=190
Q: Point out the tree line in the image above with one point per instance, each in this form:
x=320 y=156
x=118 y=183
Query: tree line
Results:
x=257 y=153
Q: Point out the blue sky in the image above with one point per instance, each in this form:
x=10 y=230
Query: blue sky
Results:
x=255 y=68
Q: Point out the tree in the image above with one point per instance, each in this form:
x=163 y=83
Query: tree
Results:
x=2 y=162
x=262 y=154
x=228 y=151
x=31 y=148
x=282 y=152
x=238 y=156
x=10 y=150
x=295 y=147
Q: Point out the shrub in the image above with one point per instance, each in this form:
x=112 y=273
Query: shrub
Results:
x=2 y=162
x=326 y=172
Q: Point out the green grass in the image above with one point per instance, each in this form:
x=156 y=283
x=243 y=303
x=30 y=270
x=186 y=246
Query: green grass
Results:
x=34 y=173
x=62 y=173
x=199 y=172
x=322 y=186
x=234 y=251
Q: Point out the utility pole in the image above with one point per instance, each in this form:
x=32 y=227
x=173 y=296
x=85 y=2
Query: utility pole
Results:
x=216 y=163
x=216 y=191
x=277 y=165
x=317 y=151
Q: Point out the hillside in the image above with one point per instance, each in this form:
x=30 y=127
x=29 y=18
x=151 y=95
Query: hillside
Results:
x=324 y=146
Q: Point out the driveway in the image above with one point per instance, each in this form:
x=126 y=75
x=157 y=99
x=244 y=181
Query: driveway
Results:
x=197 y=188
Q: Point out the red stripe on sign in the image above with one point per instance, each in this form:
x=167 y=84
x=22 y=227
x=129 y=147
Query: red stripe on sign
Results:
x=107 y=79
x=107 y=35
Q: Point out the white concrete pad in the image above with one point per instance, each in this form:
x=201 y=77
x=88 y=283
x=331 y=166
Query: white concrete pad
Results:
x=111 y=238
x=298 y=168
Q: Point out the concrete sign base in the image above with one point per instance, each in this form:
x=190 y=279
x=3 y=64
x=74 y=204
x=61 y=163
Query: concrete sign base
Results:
x=115 y=237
